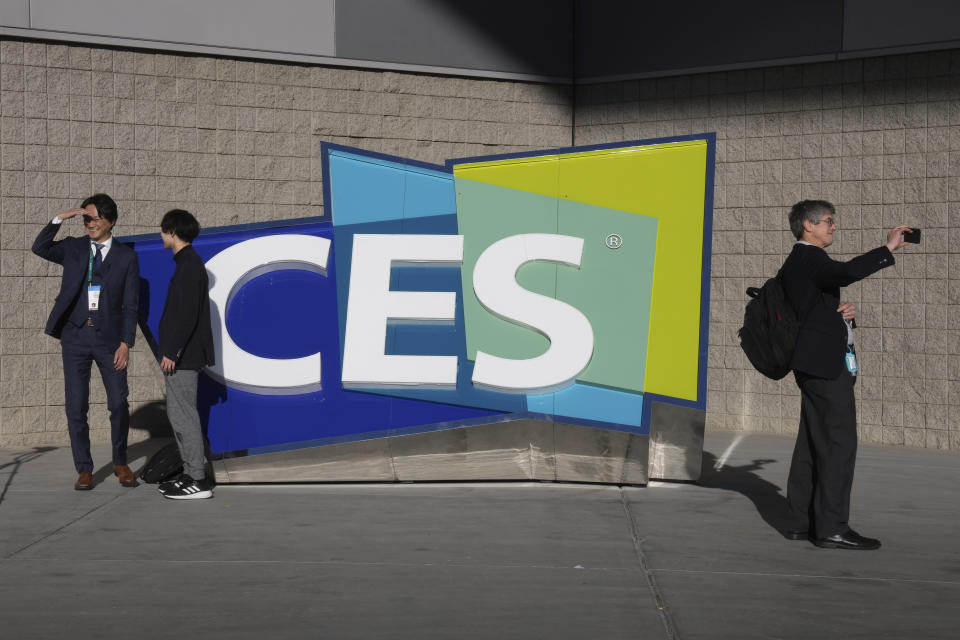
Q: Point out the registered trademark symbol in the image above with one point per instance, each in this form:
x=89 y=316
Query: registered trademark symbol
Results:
x=614 y=241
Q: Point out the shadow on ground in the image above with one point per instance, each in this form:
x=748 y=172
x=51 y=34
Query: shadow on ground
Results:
x=770 y=503
x=18 y=461
x=152 y=418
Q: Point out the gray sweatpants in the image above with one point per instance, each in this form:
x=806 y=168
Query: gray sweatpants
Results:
x=182 y=412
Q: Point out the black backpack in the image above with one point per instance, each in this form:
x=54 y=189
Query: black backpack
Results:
x=163 y=465
x=770 y=327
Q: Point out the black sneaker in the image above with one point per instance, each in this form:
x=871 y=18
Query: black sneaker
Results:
x=163 y=487
x=186 y=488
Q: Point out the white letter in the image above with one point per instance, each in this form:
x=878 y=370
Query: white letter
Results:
x=232 y=268
x=371 y=305
x=569 y=331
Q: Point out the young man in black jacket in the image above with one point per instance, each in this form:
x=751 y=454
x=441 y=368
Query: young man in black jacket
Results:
x=186 y=347
x=825 y=365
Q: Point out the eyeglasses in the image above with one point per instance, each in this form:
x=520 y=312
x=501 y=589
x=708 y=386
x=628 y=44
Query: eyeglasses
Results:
x=830 y=222
x=89 y=219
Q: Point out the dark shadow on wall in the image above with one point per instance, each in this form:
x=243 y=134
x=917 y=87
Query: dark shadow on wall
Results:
x=770 y=503
x=144 y=312
x=537 y=35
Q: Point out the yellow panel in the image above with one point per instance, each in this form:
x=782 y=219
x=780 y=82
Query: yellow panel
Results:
x=535 y=175
x=665 y=181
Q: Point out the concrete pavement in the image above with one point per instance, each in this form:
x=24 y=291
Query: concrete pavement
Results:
x=518 y=560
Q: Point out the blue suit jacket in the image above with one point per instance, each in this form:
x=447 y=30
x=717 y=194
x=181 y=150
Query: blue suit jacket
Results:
x=812 y=281
x=120 y=279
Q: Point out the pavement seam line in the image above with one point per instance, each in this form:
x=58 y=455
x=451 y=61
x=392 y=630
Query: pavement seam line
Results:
x=812 y=576
x=440 y=565
x=645 y=567
x=60 y=528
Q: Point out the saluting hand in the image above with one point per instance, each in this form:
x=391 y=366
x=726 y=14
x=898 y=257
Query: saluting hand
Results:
x=69 y=213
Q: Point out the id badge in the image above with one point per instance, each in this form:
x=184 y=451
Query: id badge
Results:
x=93 y=297
x=852 y=362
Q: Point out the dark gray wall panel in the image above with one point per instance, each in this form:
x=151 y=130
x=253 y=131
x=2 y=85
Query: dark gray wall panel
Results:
x=529 y=37
x=618 y=37
x=291 y=26
x=15 y=13
x=878 y=24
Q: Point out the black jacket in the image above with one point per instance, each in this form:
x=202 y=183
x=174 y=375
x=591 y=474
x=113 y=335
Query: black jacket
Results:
x=185 y=333
x=119 y=276
x=812 y=281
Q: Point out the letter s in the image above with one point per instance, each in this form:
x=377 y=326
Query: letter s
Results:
x=569 y=331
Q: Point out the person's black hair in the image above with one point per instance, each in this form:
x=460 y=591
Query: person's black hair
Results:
x=105 y=205
x=181 y=223
x=812 y=210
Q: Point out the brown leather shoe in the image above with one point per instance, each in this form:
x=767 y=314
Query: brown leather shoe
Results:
x=84 y=481
x=125 y=475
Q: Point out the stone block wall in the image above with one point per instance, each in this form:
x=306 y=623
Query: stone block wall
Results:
x=233 y=141
x=878 y=137
x=238 y=141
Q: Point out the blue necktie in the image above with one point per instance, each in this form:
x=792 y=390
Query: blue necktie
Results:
x=98 y=259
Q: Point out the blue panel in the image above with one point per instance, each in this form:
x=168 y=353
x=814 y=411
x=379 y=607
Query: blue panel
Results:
x=365 y=191
x=427 y=194
x=287 y=305
x=596 y=403
x=370 y=189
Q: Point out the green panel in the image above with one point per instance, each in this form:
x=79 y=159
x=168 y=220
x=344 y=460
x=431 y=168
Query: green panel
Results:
x=613 y=288
x=485 y=214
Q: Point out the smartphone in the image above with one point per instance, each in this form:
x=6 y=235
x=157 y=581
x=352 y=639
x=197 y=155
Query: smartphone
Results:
x=913 y=237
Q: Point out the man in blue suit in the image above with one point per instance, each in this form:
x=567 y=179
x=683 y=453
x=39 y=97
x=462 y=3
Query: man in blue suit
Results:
x=95 y=318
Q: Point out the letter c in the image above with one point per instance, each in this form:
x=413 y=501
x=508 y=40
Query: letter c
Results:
x=234 y=267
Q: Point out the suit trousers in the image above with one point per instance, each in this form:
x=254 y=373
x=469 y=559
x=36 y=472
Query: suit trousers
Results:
x=82 y=346
x=821 y=472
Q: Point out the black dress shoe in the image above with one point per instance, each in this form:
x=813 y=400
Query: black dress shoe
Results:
x=848 y=540
x=796 y=534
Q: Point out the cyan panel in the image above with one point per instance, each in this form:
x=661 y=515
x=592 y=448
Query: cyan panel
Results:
x=371 y=189
x=590 y=403
x=428 y=194
x=354 y=201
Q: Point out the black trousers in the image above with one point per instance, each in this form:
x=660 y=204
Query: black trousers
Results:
x=82 y=346
x=821 y=472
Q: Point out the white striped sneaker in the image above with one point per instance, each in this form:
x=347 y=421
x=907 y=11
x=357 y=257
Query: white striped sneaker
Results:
x=186 y=488
x=165 y=486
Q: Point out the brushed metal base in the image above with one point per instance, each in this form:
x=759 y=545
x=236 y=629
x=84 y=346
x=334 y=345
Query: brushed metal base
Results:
x=676 y=441
x=514 y=450
x=523 y=449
